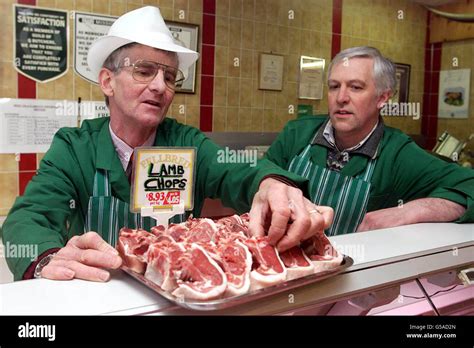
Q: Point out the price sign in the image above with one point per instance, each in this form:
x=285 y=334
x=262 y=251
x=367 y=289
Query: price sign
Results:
x=161 y=198
x=163 y=177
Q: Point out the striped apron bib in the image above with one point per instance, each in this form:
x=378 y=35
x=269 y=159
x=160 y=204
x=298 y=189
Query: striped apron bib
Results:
x=347 y=195
x=106 y=214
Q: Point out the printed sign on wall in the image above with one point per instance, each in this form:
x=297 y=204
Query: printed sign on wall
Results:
x=454 y=89
x=88 y=27
x=40 y=42
x=29 y=125
x=163 y=177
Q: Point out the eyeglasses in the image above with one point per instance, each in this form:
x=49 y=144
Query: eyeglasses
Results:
x=144 y=71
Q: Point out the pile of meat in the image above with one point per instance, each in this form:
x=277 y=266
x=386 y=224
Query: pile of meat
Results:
x=202 y=259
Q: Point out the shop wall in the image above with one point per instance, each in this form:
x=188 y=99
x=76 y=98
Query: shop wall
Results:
x=464 y=52
x=246 y=28
x=398 y=30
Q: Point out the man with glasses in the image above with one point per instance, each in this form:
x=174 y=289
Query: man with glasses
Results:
x=83 y=181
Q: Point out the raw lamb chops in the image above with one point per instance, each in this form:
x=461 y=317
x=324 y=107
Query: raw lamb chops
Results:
x=202 y=259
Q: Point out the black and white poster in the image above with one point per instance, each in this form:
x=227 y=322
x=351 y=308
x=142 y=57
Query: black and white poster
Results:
x=40 y=42
x=88 y=27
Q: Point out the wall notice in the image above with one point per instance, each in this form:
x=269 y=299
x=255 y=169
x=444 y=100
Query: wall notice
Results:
x=29 y=125
x=454 y=91
x=88 y=27
x=40 y=43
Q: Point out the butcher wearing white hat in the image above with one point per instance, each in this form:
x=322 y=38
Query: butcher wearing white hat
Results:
x=75 y=205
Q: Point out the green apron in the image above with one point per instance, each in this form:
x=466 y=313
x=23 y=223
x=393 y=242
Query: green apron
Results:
x=106 y=214
x=347 y=195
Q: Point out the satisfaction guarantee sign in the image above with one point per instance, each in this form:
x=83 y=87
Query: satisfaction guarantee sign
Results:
x=40 y=42
x=163 y=177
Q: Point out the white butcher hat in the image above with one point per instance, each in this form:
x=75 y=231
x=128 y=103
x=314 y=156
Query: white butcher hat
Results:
x=144 y=26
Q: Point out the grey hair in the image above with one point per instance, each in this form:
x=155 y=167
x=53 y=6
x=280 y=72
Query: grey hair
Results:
x=114 y=60
x=384 y=69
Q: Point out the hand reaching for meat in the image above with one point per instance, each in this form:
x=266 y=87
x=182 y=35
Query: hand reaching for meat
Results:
x=84 y=257
x=288 y=216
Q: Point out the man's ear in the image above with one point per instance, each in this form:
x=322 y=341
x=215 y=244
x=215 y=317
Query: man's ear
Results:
x=383 y=98
x=106 y=82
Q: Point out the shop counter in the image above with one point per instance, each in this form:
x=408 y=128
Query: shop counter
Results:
x=382 y=259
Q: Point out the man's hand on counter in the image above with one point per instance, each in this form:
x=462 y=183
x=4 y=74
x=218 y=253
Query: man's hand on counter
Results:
x=287 y=215
x=84 y=257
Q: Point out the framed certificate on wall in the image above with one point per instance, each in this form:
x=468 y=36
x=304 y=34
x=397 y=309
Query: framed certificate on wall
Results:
x=310 y=84
x=402 y=75
x=270 y=72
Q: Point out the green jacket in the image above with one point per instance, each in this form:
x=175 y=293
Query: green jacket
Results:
x=404 y=172
x=54 y=205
